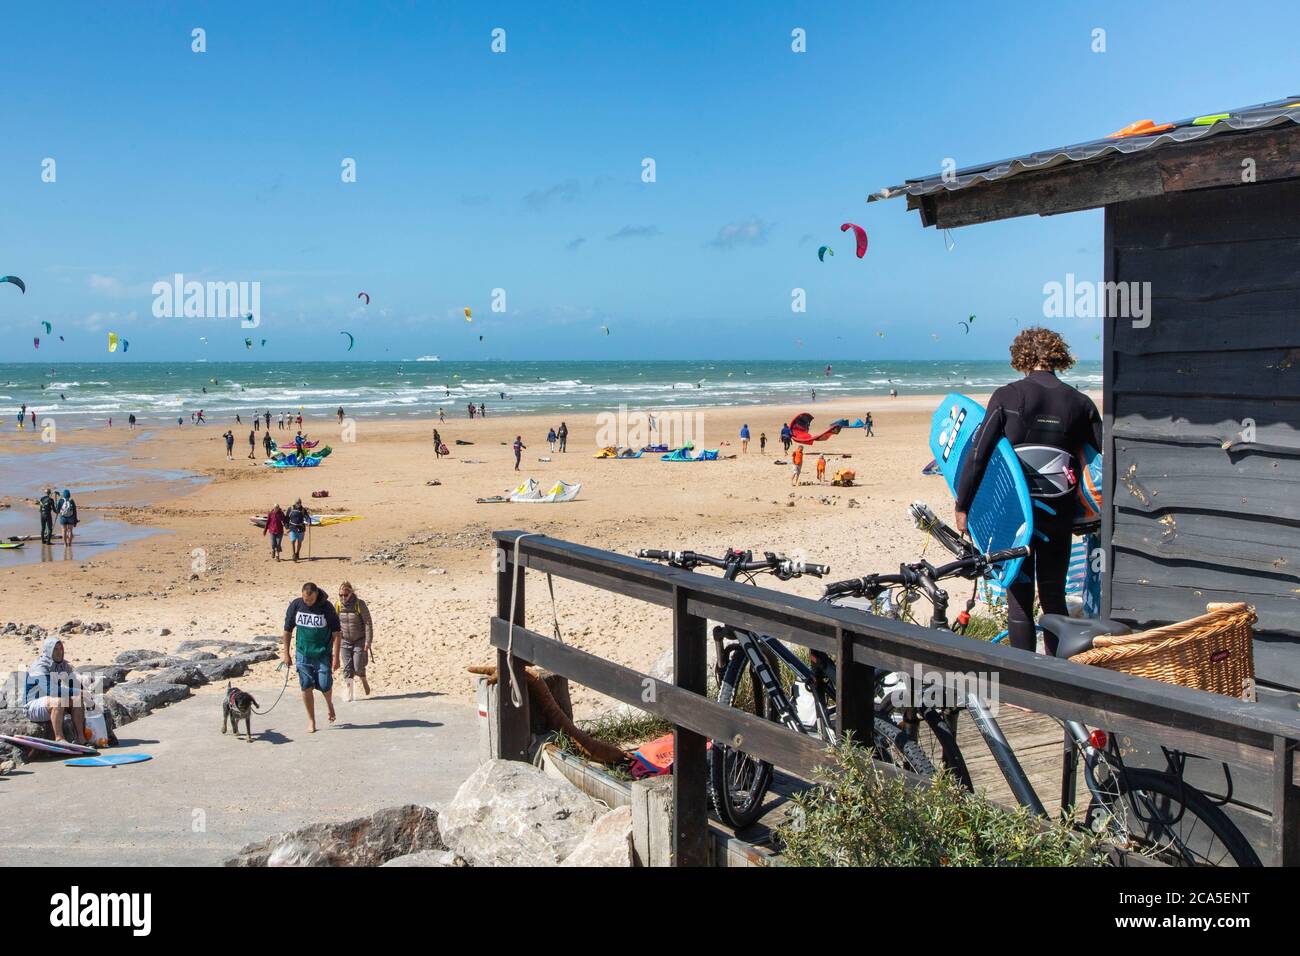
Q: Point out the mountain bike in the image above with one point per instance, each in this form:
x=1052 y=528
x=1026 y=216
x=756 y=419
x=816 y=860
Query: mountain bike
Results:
x=1153 y=812
x=760 y=675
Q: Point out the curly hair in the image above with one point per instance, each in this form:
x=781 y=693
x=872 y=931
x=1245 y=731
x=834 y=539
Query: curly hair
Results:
x=1038 y=347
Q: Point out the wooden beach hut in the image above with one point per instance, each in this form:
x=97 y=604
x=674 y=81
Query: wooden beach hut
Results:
x=1202 y=391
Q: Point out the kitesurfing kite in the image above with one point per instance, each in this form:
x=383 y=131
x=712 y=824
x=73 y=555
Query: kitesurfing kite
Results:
x=36 y=343
x=16 y=281
x=823 y=251
x=605 y=329
x=263 y=343
x=468 y=316
x=799 y=430
x=203 y=339
x=364 y=295
x=966 y=325
x=860 y=234
x=880 y=333
x=351 y=341
x=48 y=328
x=112 y=341
x=248 y=343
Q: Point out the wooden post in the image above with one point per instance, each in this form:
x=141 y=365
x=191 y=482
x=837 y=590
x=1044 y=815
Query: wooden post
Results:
x=652 y=816
x=855 y=694
x=514 y=733
x=690 y=759
x=1286 y=805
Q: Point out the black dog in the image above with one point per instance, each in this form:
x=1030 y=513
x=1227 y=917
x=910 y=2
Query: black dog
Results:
x=236 y=707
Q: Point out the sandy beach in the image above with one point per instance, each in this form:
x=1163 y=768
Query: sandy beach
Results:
x=420 y=554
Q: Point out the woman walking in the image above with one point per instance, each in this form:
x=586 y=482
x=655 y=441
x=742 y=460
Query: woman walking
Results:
x=358 y=634
x=275 y=524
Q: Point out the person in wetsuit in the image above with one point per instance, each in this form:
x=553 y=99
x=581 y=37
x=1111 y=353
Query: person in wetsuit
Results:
x=1048 y=423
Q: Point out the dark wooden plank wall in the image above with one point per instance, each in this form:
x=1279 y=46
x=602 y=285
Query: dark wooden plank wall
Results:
x=1201 y=510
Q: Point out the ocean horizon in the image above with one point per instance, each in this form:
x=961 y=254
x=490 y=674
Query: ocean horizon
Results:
x=160 y=391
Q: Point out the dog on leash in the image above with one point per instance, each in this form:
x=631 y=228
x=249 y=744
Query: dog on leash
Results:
x=238 y=706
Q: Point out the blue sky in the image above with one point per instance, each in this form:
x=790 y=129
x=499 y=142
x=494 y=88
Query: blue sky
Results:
x=522 y=170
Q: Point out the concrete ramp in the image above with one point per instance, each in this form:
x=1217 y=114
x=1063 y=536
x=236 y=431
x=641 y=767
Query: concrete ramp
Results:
x=205 y=795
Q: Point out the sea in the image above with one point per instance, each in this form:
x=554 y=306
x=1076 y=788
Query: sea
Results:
x=161 y=392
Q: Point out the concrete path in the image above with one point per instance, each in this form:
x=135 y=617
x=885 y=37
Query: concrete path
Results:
x=204 y=795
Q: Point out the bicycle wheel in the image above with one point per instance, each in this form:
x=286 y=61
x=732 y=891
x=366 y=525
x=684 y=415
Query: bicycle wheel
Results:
x=938 y=741
x=737 y=781
x=892 y=744
x=1158 y=815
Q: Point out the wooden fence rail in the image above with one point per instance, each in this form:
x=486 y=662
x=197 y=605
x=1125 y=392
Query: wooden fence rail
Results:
x=1233 y=731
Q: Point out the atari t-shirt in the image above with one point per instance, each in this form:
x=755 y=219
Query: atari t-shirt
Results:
x=315 y=623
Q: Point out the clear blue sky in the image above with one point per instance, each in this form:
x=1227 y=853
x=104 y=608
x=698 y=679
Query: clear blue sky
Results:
x=522 y=170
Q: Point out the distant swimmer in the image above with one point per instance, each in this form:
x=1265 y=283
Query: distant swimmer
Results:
x=340 y=414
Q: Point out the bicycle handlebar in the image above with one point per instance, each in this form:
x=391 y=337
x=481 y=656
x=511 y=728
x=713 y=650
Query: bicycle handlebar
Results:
x=922 y=574
x=782 y=567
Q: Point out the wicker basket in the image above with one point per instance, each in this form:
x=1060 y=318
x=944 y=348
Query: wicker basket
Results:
x=1212 y=652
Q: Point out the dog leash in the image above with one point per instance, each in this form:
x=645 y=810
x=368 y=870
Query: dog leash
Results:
x=282 y=690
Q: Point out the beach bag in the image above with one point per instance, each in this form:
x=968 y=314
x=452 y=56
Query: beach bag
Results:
x=442 y=449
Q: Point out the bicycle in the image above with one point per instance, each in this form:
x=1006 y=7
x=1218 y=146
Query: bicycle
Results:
x=1150 y=811
x=759 y=674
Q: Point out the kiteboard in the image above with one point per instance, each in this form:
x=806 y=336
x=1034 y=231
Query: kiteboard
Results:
x=108 y=760
x=11 y=545
x=1001 y=514
x=49 y=746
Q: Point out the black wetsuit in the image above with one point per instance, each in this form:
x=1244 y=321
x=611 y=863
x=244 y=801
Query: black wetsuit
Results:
x=1039 y=409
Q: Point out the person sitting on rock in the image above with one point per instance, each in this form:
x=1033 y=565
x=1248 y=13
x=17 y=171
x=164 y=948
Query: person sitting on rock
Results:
x=53 y=690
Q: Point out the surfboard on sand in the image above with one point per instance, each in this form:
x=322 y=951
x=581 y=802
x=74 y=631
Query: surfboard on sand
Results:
x=1001 y=515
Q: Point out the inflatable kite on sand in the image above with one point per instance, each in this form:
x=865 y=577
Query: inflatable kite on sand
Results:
x=799 y=429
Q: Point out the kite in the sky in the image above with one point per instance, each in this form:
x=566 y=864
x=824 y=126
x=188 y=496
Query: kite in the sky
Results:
x=16 y=281
x=364 y=295
x=860 y=234
x=823 y=252
x=880 y=333
x=605 y=329
x=263 y=343
x=48 y=328
x=966 y=326
x=351 y=341
x=112 y=341
x=468 y=316
x=36 y=343
x=248 y=343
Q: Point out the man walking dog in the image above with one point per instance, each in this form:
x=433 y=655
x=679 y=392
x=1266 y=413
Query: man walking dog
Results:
x=317 y=651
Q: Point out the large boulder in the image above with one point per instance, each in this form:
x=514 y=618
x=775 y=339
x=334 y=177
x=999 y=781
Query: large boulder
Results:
x=427 y=858
x=219 y=646
x=608 y=843
x=510 y=813
x=191 y=675
x=13 y=689
x=366 y=841
x=224 y=669
x=131 y=658
x=107 y=674
x=136 y=698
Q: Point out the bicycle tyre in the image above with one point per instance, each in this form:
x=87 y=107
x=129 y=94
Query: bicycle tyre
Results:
x=951 y=755
x=893 y=744
x=1165 y=786
x=741 y=805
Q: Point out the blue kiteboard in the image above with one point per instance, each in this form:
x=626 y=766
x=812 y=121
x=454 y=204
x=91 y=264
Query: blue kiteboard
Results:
x=108 y=760
x=1001 y=514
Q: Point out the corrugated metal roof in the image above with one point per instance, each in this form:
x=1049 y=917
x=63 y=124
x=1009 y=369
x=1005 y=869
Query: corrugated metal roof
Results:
x=1276 y=113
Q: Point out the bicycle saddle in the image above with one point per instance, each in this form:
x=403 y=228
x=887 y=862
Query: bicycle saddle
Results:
x=1065 y=636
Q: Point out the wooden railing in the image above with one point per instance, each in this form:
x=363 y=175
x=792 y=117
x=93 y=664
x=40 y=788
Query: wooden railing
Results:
x=1236 y=732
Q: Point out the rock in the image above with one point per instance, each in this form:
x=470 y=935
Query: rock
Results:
x=191 y=675
x=107 y=674
x=133 y=657
x=427 y=858
x=13 y=689
x=159 y=663
x=134 y=699
x=164 y=631
x=608 y=843
x=14 y=722
x=224 y=669
x=201 y=656
x=366 y=841
x=510 y=813
x=224 y=647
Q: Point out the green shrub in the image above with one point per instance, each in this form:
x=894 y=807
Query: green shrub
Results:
x=859 y=816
